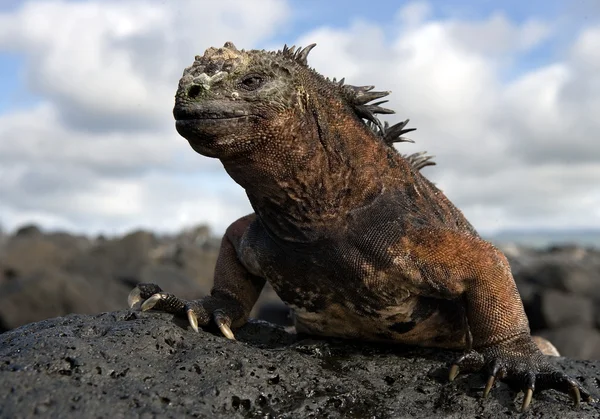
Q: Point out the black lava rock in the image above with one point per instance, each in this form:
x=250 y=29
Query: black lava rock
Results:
x=129 y=364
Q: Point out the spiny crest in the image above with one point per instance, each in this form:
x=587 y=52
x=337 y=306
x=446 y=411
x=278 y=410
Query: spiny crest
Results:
x=394 y=134
x=419 y=160
x=299 y=55
x=359 y=98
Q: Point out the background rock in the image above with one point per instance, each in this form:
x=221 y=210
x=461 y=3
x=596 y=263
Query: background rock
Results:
x=46 y=275
x=562 y=309
x=129 y=364
x=571 y=269
x=583 y=342
x=560 y=289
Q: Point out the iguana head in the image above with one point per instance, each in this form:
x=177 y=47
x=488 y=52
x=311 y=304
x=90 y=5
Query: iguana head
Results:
x=298 y=143
x=230 y=102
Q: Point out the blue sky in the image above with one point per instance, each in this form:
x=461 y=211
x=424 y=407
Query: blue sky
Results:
x=12 y=92
x=505 y=94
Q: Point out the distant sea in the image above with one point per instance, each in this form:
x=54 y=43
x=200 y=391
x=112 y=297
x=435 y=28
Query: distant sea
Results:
x=546 y=238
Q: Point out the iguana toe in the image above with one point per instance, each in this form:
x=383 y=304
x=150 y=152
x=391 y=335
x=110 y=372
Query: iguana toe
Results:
x=224 y=322
x=193 y=319
x=134 y=297
x=152 y=297
x=454 y=370
x=221 y=320
x=523 y=366
x=471 y=361
x=489 y=385
x=527 y=399
x=163 y=301
x=141 y=293
x=221 y=310
x=150 y=302
x=575 y=395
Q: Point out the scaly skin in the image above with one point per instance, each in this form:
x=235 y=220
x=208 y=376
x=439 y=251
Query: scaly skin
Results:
x=347 y=230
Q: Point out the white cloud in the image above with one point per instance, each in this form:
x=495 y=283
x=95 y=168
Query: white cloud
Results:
x=86 y=157
x=498 y=35
x=114 y=206
x=99 y=151
x=586 y=50
x=111 y=64
x=37 y=137
x=413 y=14
x=551 y=112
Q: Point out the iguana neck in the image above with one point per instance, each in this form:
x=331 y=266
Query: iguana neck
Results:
x=303 y=194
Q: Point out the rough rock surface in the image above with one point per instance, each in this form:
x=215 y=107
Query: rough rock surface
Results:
x=130 y=364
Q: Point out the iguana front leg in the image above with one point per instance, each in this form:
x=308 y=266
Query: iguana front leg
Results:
x=233 y=295
x=457 y=265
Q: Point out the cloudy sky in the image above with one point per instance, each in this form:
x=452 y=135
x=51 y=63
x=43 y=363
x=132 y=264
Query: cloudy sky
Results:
x=506 y=95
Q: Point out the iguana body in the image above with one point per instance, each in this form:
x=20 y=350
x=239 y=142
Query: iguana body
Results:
x=348 y=231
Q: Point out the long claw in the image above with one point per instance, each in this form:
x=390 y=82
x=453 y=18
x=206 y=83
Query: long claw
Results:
x=488 y=386
x=193 y=319
x=225 y=329
x=575 y=395
x=150 y=302
x=453 y=372
x=134 y=297
x=527 y=400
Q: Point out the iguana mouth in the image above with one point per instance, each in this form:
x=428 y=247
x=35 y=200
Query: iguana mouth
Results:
x=207 y=125
x=187 y=113
x=208 y=129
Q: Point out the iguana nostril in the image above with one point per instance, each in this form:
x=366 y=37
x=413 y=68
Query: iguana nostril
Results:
x=194 y=91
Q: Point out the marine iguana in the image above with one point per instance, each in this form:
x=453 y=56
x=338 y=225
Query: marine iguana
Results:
x=347 y=230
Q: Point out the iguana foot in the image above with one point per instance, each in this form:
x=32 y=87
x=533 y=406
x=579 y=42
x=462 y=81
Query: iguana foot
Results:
x=222 y=310
x=523 y=366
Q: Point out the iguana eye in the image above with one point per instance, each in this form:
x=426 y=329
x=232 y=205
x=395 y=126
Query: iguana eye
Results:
x=252 y=82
